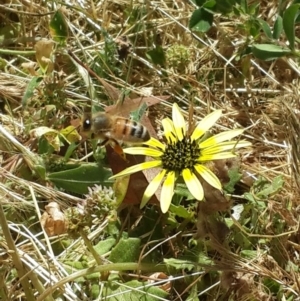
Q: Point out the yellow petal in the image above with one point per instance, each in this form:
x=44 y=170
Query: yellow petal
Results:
x=220 y=138
x=179 y=122
x=169 y=131
x=147 y=151
x=193 y=184
x=152 y=187
x=224 y=146
x=218 y=156
x=136 y=168
x=205 y=124
x=155 y=143
x=208 y=176
x=167 y=192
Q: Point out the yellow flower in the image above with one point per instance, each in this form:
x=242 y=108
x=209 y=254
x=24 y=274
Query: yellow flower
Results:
x=183 y=155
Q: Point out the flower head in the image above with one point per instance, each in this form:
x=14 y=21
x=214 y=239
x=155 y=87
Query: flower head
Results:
x=184 y=155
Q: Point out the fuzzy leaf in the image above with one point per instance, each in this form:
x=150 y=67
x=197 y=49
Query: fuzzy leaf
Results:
x=271 y=188
x=234 y=178
x=79 y=179
x=139 y=292
x=179 y=264
x=127 y=250
x=105 y=246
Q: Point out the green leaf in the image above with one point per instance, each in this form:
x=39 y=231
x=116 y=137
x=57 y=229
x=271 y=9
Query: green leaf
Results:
x=141 y=291
x=254 y=27
x=180 y=211
x=225 y=6
x=234 y=177
x=260 y=205
x=277 y=28
x=210 y=6
x=157 y=56
x=242 y=240
x=95 y=291
x=127 y=250
x=200 y=2
x=79 y=179
x=273 y=286
x=249 y=197
x=9 y=31
x=44 y=147
x=179 y=264
x=291 y=267
x=34 y=82
x=193 y=294
x=253 y=9
x=271 y=188
x=243 y=5
x=182 y=190
x=201 y=20
x=105 y=246
x=269 y=52
x=266 y=28
x=70 y=150
x=249 y=254
x=59 y=28
x=40 y=170
x=78 y=265
x=289 y=18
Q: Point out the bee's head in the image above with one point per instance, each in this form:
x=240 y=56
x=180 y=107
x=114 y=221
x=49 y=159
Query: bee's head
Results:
x=86 y=125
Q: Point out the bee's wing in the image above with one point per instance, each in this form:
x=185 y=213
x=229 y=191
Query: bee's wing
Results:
x=129 y=105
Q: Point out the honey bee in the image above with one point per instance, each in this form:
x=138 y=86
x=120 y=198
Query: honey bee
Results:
x=114 y=129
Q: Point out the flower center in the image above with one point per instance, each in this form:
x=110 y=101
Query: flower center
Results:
x=180 y=155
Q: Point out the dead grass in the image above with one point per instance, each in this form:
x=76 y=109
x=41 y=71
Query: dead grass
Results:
x=205 y=69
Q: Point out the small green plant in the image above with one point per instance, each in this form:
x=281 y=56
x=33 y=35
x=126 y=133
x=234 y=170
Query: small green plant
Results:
x=267 y=47
x=178 y=57
x=202 y=18
x=283 y=25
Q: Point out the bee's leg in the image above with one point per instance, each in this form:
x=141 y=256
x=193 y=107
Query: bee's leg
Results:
x=117 y=148
x=102 y=143
x=115 y=145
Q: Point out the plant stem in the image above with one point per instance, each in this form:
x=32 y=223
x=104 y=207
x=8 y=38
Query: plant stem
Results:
x=122 y=266
x=23 y=278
